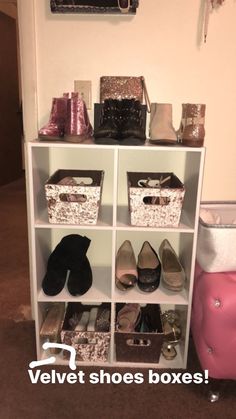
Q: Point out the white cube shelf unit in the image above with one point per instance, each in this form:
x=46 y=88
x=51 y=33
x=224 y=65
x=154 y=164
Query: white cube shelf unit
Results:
x=112 y=228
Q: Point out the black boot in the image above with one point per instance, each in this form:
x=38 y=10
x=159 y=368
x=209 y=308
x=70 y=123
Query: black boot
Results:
x=80 y=279
x=69 y=254
x=108 y=131
x=133 y=129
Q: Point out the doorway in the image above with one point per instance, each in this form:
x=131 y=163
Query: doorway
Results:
x=10 y=112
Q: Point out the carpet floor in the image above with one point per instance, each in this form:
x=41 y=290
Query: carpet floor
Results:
x=20 y=399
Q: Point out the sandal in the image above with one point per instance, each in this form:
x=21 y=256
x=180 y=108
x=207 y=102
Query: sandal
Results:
x=171 y=326
x=168 y=351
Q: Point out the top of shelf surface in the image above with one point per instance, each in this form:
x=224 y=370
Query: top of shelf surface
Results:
x=90 y=143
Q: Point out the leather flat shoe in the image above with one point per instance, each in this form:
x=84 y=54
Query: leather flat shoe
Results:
x=149 y=268
x=173 y=275
x=126 y=270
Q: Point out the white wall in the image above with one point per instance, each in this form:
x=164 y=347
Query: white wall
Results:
x=162 y=43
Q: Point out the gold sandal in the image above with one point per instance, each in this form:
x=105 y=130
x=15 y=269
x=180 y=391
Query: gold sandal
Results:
x=171 y=326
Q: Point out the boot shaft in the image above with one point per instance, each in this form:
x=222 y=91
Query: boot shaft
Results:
x=108 y=131
x=132 y=127
x=77 y=126
x=161 y=127
x=111 y=113
x=193 y=125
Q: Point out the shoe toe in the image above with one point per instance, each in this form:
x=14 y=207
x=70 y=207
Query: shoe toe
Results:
x=54 y=281
x=149 y=279
x=126 y=281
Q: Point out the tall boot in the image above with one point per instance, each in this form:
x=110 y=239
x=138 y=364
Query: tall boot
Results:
x=194 y=130
x=161 y=128
x=108 y=131
x=80 y=277
x=55 y=128
x=78 y=127
x=132 y=127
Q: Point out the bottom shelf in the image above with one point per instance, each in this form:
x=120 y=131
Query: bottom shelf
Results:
x=101 y=342
x=176 y=363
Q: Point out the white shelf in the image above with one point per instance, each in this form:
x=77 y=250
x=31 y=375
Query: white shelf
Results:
x=104 y=221
x=90 y=145
x=160 y=295
x=100 y=290
x=113 y=227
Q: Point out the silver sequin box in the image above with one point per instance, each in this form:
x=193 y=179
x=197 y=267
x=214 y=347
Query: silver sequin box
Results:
x=151 y=205
x=74 y=204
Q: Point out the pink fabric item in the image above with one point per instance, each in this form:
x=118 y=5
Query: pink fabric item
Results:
x=213 y=322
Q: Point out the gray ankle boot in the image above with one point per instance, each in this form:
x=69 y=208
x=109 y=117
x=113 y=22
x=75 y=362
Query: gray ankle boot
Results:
x=161 y=128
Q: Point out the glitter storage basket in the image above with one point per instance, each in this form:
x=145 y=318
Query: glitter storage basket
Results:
x=76 y=203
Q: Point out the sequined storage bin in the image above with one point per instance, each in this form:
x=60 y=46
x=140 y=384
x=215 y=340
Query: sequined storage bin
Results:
x=73 y=196
x=142 y=347
x=155 y=199
x=89 y=345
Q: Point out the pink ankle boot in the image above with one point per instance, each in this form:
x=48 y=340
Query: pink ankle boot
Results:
x=78 y=127
x=55 y=128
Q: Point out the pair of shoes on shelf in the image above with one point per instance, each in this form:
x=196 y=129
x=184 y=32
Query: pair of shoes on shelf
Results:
x=191 y=132
x=121 y=122
x=132 y=318
x=69 y=255
x=146 y=273
x=68 y=120
x=94 y=320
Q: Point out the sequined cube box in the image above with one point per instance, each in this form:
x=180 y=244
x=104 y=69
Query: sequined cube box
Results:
x=155 y=199
x=89 y=345
x=74 y=196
